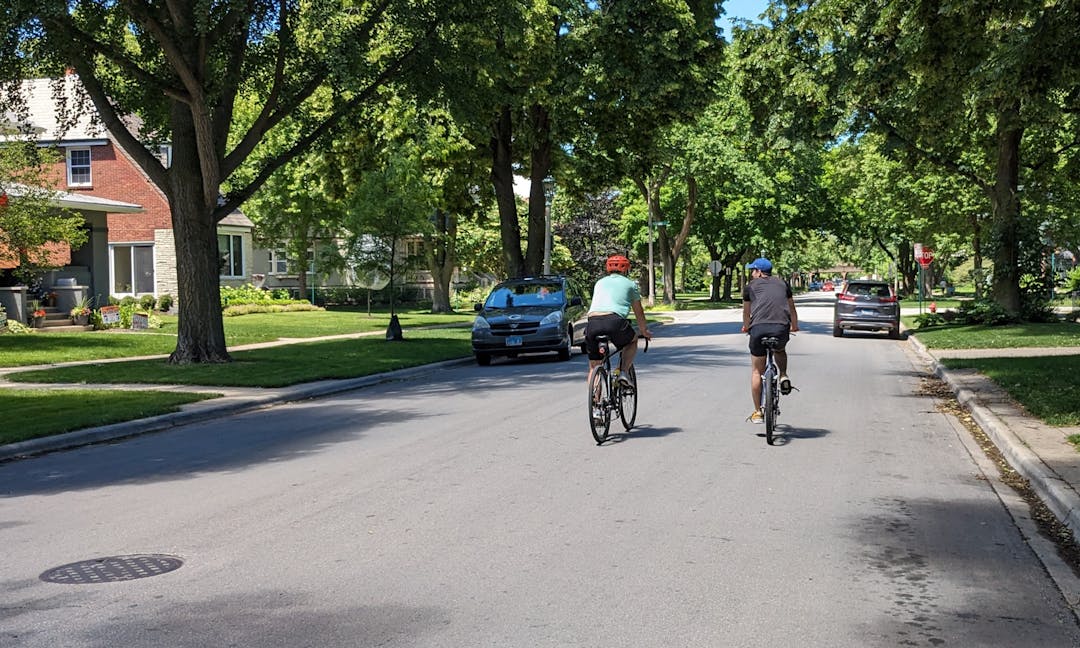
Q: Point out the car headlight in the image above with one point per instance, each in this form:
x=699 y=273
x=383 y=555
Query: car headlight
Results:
x=552 y=319
x=481 y=324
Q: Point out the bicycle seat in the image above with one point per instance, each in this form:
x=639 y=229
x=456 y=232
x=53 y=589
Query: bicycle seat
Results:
x=770 y=342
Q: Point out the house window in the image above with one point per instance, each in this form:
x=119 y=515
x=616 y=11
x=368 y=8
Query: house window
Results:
x=414 y=248
x=132 y=269
x=231 y=252
x=78 y=167
x=164 y=155
x=279 y=264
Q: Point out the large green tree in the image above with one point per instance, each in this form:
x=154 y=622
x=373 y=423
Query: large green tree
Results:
x=645 y=68
x=181 y=65
x=980 y=88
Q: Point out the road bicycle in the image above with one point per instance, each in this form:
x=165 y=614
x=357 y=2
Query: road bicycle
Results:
x=770 y=388
x=608 y=394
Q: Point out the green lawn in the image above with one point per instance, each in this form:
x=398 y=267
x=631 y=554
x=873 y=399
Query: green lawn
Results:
x=276 y=366
x=1048 y=387
x=48 y=412
x=693 y=302
x=1054 y=334
x=43 y=412
x=46 y=348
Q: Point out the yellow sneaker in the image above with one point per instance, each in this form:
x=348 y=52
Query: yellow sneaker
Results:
x=756 y=417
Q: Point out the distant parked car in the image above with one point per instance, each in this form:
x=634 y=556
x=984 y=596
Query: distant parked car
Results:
x=530 y=315
x=868 y=305
x=815 y=285
x=827 y=286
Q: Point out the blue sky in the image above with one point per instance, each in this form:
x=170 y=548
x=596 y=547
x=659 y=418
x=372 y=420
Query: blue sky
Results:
x=742 y=9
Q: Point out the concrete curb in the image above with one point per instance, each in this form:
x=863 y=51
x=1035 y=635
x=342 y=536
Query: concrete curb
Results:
x=208 y=410
x=1059 y=496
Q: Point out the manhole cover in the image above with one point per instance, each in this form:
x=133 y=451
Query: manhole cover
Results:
x=111 y=569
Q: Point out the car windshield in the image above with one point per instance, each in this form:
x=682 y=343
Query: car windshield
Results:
x=526 y=294
x=868 y=290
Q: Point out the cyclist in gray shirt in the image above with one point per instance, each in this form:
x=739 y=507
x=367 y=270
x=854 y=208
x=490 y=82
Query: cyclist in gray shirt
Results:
x=768 y=311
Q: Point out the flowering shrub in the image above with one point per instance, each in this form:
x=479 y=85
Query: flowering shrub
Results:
x=39 y=312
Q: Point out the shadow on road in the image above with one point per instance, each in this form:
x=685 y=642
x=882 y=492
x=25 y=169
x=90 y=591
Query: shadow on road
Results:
x=785 y=434
x=641 y=432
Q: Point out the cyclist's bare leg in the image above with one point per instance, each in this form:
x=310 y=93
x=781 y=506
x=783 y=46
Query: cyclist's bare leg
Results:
x=757 y=367
x=626 y=360
x=781 y=361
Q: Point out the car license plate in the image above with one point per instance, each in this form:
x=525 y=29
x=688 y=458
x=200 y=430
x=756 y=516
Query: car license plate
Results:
x=513 y=340
x=866 y=311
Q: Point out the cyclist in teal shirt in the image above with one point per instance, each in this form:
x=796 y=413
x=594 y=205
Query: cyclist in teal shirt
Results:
x=613 y=297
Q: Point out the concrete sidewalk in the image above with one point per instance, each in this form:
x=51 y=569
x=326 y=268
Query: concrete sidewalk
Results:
x=1039 y=452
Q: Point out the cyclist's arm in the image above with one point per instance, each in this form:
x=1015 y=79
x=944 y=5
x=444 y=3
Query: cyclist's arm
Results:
x=794 y=315
x=746 y=316
x=642 y=326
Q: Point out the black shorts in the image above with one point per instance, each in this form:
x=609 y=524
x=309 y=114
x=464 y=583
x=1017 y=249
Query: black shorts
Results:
x=616 y=328
x=782 y=331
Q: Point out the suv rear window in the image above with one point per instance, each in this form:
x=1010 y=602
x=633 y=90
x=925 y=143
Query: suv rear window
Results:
x=869 y=289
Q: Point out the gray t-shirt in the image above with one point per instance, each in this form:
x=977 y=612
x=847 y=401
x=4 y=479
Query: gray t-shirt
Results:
x=768 y=297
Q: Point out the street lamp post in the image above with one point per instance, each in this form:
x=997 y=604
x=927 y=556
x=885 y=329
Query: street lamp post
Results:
x=549 y=195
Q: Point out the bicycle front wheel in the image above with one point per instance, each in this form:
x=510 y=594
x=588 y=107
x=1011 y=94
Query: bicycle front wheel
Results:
x=627 y=400
x=772 y=407
x=599 y=405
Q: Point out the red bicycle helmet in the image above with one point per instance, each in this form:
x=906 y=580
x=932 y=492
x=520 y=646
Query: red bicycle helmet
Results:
x=617 y=263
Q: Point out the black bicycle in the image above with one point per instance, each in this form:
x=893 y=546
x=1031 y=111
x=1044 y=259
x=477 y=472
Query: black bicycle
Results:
x=608 y=394
x=770 y=388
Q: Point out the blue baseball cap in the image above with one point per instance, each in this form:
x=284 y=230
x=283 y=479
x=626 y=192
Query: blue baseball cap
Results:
x=761 y=263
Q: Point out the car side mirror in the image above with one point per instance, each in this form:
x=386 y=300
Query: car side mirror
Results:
x=575 y=301
x=478 y=307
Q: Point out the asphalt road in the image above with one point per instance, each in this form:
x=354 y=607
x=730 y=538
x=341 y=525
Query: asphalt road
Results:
x=470 y=507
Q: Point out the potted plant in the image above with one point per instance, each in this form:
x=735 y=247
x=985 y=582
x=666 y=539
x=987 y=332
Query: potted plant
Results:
x=80 y=313
x=37 y=318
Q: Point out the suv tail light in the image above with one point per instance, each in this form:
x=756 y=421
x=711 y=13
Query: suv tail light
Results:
x=887 y=300
x=845 y=297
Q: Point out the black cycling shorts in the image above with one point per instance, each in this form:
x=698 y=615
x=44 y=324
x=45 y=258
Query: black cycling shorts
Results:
x=782 y=331
x=616 y=328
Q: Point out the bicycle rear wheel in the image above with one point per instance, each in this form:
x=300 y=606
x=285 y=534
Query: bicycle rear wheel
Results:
x=599 y=405
x=627 y=400
x=772 y=407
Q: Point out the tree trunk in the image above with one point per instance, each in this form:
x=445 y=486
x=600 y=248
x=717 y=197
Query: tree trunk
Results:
x=200 y=333
x=731 y=270
x=502 y=178
x=907 y=267
x=670 y=249
x=977 y=256
x=539 y=169
x=1005 y=287
x=441 y=258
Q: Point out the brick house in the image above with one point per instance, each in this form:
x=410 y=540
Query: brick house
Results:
x=139 y=256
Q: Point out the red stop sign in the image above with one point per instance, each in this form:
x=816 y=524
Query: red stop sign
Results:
x=926 y=255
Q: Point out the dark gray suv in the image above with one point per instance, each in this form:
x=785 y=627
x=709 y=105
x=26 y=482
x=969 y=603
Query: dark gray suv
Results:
x=530 y=315
x=867 y=305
